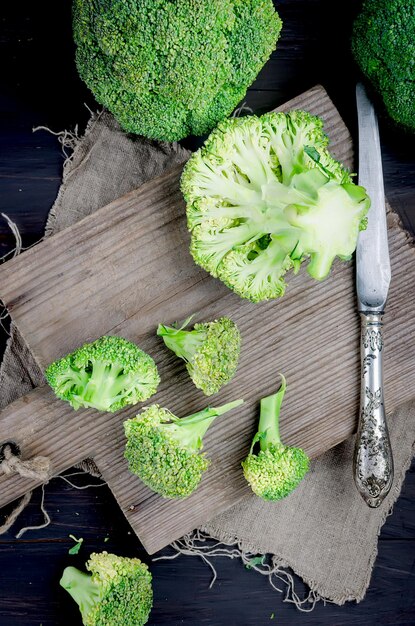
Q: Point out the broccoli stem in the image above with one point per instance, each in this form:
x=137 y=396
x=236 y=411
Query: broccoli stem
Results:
x=105 y=383
x=320 y=264
x=81 y=587
x=211 y=412
x=72 y=380
x=268 y=428
x=184 y=343
x=189 y=431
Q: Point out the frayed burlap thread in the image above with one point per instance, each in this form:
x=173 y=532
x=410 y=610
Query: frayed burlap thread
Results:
x=38 y=468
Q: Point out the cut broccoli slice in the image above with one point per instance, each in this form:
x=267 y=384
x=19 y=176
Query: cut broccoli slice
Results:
x=263 y=194
x=210 y=350
x=118 y=591
x=164 y=451
x=277 y=469
x=108 y=374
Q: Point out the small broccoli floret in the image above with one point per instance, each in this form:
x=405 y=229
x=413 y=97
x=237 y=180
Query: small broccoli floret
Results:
x=118 y=591
x=383 y=44
x=164 y=450
x=108 y=374
x=168 y=69
x=263 y=195
x=210 y=350
x=277 y=469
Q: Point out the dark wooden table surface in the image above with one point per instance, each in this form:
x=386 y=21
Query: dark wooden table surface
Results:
x=39 y=86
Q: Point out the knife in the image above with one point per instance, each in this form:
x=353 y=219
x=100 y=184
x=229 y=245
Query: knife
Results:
x=373 y=461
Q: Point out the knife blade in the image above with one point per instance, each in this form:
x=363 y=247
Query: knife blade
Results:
x=373 y=461
x=372 y=254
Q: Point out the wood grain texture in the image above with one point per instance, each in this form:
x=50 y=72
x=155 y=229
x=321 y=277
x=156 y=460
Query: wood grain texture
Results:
x=125 y=269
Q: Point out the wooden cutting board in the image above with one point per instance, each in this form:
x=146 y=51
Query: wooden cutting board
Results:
x=125 y=269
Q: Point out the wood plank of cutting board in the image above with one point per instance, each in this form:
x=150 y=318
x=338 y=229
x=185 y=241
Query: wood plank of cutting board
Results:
x=125 y=269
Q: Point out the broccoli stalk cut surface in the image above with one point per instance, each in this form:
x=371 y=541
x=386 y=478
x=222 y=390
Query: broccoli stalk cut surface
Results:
x=167 y=69
x=107 y=374
x=277 y=469
x=210 y=350
x=383 y=44
x=164 y=450
x=263 y=195
x=118 y=590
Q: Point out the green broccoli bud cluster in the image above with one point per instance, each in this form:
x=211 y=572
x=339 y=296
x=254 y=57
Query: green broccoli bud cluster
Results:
x=107 y=374
x=170 y=69
x=210 y=350
x=383 y=45
x=164 y=450
x=263 y=195
x=277 y=469
x=117 y=592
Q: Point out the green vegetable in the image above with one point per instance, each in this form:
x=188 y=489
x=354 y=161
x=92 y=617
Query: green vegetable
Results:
x=164 y=450
x=263 y=194
x=277 y=469
x=210 y=350
x=383 y=44
x=256 y=560
x=118 y=591
x=78 y=543
x=107 y=374
x=167 y=69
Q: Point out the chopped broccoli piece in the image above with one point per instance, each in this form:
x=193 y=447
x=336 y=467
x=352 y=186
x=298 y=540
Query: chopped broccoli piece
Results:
x=277 y=469
x=383 y=44
x=164 y=450
x=263 y=194
x=118 y=591
x=108 y=374
x=78 y=543
x=256 y=560
x=210 y=350
x=167 y=69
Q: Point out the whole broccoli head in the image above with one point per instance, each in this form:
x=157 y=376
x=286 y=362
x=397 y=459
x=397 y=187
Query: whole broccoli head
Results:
x=108 y=374
x=164 y=450
x=167 y=69
x=277 y=469
x=210 y=350
x=383 y=44
x=118 y=591
x=263 y=194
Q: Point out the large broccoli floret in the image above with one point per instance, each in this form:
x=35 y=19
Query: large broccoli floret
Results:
x=108 y=374
x=118 y=593
x=210 y=350
x=277 y=469
x=164 y=450
x=170 y=68
x=383 y=44
x=263 y=194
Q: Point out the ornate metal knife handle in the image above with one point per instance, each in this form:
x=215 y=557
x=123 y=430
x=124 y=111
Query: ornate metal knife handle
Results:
x=373 y=462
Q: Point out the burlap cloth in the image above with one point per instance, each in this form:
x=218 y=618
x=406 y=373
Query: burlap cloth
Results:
x=323 y=531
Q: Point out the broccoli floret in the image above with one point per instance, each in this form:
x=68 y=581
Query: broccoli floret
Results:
x=164 y=450
x=263 y=194
x=108 y=374
x=210 y=350
x=118 y=591
x=383 y=44
x=277 y=469
x=167 y=69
